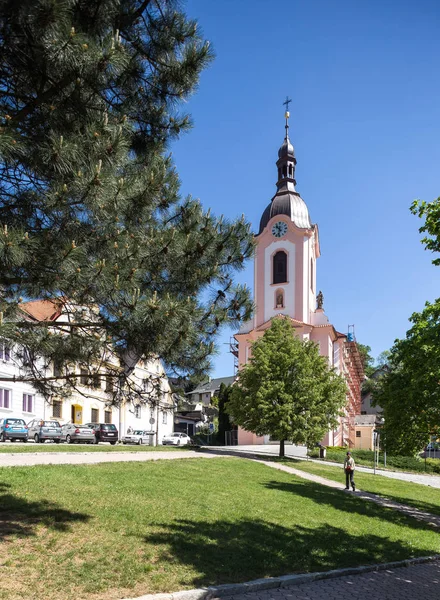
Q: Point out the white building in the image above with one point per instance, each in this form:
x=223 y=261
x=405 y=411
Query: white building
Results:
x=89 y=403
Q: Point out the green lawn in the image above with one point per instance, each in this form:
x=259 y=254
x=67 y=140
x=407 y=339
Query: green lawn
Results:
x=51 y=447
x=110 y=531
x=413 y=494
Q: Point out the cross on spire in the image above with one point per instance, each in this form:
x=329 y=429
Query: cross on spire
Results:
x=287 y=115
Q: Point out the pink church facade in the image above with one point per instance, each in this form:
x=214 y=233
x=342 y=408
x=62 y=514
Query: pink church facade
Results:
x=285 y=284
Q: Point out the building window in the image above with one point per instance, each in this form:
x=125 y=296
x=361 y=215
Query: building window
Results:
x=5 y=352
x=358 y=433
x=57 y=409
x=311 y=274
x=57 y=369
x=280 y=267
x=96 y=381
x=95 y=415
x=107 y=416
x=28 y=402
x=137 y=411
x=109 y=384
x=5 y=398
x=84 y=376
x=164 y=417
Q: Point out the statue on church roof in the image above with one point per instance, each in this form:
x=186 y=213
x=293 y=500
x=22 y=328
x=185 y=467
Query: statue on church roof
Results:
x=320 y=300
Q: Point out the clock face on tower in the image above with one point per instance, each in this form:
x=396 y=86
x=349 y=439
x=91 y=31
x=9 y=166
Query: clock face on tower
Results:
x=279 y=229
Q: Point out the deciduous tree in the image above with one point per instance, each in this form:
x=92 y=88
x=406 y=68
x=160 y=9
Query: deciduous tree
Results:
x=409 y=392
x=287 y=390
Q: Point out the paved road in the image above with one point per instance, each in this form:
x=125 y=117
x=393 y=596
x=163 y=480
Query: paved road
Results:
x=92 y=458
x=416 y=582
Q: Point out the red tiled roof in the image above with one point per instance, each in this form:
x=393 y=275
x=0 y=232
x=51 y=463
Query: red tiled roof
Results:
x=43 y=310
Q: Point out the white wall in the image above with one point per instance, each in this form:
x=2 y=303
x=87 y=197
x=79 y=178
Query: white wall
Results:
x=9 y=368
x=269 y=289
x=93 y=398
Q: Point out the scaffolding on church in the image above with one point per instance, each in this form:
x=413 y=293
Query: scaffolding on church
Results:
x=354 y=374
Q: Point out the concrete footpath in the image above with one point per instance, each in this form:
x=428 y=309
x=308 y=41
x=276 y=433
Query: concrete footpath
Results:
x=92 y=458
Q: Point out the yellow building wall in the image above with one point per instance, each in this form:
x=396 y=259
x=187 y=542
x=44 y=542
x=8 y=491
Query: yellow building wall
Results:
x=365 y=440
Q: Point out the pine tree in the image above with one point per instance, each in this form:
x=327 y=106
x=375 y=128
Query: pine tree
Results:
x=90 y=210
x=287 y=390
x=224 y=422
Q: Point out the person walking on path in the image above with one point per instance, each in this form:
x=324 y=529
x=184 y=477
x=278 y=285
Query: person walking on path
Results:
x=349 y=472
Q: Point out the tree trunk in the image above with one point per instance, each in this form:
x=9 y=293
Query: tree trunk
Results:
x=282 y=449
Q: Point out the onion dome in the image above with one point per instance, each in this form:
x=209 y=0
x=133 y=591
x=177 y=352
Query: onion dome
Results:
x=286 y=149
x=287 y=201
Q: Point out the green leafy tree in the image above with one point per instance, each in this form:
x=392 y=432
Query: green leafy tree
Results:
x=430 y=212
x=90 y=210
x=383 y=359
x=367 y=359
x=409 y=392
x=287 y=389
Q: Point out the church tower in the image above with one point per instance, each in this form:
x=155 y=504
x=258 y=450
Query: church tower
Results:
x=287 y=248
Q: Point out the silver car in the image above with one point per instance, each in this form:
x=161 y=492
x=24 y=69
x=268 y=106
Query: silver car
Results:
x=40 y=431
x=77 y=434
x=138 y=437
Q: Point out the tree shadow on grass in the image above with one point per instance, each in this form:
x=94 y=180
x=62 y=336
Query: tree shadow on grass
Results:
x=20 y=517
x=227 y=552
x=348 y=502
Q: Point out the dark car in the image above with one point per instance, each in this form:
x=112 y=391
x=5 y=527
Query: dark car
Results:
x=104 y=432
x=13 y=429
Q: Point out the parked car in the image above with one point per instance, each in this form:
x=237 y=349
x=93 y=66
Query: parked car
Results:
x=78 y=434
x=13 y=429
x=40 y=431
x=104 y=432
x=138 y=437
x=176 y=439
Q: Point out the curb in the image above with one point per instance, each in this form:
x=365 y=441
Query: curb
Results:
x=231 y=589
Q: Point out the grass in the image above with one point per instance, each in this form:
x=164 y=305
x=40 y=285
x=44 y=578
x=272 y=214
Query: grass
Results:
x=51 y=447
x=421 y=496
x=117 y=530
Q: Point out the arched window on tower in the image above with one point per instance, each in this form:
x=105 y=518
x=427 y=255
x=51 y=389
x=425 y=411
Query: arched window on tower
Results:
x=290 y=171
x=285 y=171
x=280 y=267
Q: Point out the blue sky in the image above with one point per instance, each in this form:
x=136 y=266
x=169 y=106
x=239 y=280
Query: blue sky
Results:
x=365 y=123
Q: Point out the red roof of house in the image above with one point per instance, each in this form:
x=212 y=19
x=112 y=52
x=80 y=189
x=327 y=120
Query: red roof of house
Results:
x=43 y=310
